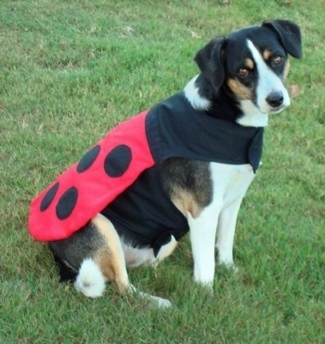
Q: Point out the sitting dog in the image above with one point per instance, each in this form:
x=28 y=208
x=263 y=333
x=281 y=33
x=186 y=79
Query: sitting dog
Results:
x=182 y=166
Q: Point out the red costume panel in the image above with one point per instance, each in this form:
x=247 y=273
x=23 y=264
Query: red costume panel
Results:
x=83 y=190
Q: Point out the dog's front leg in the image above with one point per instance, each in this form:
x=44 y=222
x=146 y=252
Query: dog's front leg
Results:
x=226 y=233
x=203 y=234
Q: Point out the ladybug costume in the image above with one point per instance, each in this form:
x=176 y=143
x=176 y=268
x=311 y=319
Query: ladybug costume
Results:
x=120 y=176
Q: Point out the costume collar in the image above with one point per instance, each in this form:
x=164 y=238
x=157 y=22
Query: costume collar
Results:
x=176 y=130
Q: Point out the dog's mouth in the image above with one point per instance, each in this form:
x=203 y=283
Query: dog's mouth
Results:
x=269 y=110
x=275 y=110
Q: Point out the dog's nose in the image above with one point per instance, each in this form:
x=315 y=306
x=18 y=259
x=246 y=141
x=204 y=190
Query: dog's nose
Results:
x=275 y=99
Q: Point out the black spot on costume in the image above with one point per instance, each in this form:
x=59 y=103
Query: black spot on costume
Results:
x=49 y=196
x=117 y=161
x=88 y=159
x=67 y=203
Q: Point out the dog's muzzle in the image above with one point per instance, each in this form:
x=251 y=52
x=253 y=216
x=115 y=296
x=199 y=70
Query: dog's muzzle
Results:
x=275 y=99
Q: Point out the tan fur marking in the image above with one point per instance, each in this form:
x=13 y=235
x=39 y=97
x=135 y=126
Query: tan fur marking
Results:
x=249 y=63
x=286 y=69
x=111 y=259
x=185 y=202
x=241 y=91
x=266 y=54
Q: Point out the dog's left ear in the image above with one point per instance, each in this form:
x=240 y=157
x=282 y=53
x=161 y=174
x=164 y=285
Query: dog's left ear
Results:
x=210 y=61
x=289 y=34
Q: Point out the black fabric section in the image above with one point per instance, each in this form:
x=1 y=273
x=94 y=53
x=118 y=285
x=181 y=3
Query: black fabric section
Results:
x=144 y=214
x=255 y=150
x=162 y=240
x=66 y=203
x=176 y=130
x=49 y=196
x=88 y=159
x=118 y=161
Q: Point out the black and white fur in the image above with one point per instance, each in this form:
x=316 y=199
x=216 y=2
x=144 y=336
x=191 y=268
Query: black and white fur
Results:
x=241 y=80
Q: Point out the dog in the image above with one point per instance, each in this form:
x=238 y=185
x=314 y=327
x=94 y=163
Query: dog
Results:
x=182 y=166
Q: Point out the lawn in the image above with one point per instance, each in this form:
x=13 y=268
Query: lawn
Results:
x=70 y=71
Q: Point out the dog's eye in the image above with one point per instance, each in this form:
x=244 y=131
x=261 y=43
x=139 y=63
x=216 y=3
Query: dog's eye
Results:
x=277 y=60
x=243 y=72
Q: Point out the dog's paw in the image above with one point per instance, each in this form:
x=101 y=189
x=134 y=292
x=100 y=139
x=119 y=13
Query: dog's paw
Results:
x=154 y=300
x=233 y=268
x=160 y=302
x=207 y=286
x=229 y=266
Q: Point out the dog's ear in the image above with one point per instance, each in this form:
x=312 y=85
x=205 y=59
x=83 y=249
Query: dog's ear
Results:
x=210 y=61
x=289 y=34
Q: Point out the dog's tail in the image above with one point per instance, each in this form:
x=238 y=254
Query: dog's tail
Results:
x=90 y=280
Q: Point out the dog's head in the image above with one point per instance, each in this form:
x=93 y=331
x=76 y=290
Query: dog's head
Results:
x=252 y=64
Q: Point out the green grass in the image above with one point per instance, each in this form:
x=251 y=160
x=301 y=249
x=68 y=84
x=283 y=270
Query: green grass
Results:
x=69 y=71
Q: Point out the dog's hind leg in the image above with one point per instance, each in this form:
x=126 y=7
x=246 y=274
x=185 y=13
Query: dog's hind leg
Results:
x=92 y=256
x=112 y=262
x=110 y=258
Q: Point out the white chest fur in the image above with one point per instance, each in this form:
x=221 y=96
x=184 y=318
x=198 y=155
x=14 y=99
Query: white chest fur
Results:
x=229 y=182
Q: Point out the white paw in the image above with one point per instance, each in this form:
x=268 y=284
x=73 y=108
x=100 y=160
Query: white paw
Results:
x=158 y=301
x=204 y=283
x=208 y=286
x=230 y=266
